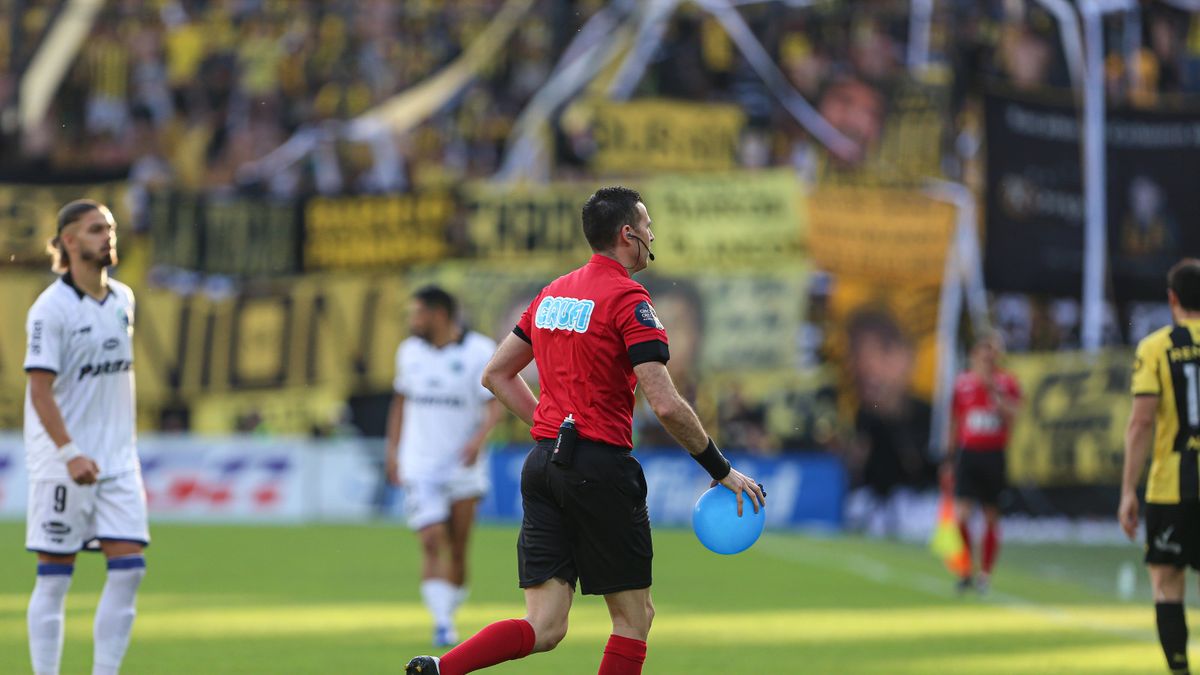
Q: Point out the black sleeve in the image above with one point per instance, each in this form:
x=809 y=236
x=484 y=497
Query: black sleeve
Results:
x=42 y=370
x=521 y=334
x=653 y=350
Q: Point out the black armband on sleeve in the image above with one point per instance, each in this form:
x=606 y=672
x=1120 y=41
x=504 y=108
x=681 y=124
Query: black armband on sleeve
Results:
x=521 y=334
x=653 y=350
x=713 y=461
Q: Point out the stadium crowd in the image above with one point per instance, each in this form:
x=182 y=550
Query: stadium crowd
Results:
x=191 y=95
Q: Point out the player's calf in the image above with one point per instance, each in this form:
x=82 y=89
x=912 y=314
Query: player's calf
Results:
x=46 y=615
x=116 y=611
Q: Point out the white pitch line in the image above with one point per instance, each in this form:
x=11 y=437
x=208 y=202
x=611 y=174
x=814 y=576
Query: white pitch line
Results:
x=881 y=572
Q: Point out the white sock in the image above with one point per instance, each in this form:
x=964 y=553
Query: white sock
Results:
x=46 y=616
x=439 y=595
x=460 y=596
x=114 y=614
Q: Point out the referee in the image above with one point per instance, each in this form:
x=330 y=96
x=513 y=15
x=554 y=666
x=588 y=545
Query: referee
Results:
x=594 y=336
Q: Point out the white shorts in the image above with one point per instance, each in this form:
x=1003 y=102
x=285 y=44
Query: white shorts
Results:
x=64 y=518
x=427 y=500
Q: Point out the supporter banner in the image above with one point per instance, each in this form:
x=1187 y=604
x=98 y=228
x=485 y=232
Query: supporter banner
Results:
x=28 y=215
x=239 y=236
x=374 y=231
x=869 y=217
x=769 y=410
x=254 y=236
x=742 y=220
x=516 y=223
x=282 y=356
x=805 y=490
x=883 y=235
x=235 y=479
x=1034 y=208
x=1035 y=211
x=1071 y=427
x=19 y=290
x=293 y=411
x=337 y=334
x=730 y=220
x=652 y=135
x=744 y=321
x=1153 y=203
x=897 y=122
x=884 y=339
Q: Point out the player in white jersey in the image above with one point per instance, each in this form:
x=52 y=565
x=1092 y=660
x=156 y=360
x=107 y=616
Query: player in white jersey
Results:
x=85 y=477
x=439 y=420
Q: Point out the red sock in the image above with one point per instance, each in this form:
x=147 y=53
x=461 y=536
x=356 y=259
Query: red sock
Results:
x=502 y=641
x=623 y=656
x=965 y=531
x=991 y=546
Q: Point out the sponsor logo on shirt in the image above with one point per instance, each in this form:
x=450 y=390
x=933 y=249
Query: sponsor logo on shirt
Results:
x=452 y=401
x=126 y=319
x=35 y=338
x=112 y=343
x=570 y=314
x=984 y=422
x=105 y=368
x=644 y=313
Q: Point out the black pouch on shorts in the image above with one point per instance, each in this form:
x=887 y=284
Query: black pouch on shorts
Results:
x=564 y=445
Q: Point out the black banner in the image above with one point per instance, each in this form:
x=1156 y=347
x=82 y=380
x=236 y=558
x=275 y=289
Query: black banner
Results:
x=1034 y=208
x=237 y=236
x=1035 y=199
x=262 y=237
x=1153 y=200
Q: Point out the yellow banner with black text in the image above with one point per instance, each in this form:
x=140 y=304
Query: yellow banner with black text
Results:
x=1071 y=426
x=727 y=220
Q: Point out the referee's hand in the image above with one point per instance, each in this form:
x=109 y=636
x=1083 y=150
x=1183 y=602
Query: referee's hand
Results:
x=739 y=483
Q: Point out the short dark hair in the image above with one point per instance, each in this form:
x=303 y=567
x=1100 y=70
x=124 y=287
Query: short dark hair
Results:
x=605 y=212
x=71 y=212
x=436 y=297
x=1184 y=280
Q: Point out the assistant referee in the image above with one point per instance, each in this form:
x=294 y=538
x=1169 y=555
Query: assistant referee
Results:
x=594 y=336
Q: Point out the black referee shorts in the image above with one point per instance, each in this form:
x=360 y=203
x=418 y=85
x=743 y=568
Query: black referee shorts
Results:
x=587 y=522
x=981 y=476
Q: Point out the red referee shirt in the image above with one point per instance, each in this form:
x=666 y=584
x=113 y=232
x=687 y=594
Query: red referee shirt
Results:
x=981 y=427
x=588 y=330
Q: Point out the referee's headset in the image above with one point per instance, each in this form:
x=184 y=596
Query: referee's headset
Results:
x=630 y=235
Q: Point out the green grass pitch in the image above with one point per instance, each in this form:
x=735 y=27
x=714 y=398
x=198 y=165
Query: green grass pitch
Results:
x=343 y=599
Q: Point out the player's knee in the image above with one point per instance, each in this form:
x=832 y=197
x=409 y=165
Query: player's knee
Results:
x=1167 y=582
x=431 y=543
x=548 y=634
x=635 y=624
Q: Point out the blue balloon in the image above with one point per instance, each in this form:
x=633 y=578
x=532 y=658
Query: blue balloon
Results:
x=718 y=526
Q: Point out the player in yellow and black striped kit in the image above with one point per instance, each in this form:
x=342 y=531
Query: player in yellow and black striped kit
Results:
x=1166 y=414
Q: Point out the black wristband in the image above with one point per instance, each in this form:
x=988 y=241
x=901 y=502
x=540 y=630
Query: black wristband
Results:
x=713 y=461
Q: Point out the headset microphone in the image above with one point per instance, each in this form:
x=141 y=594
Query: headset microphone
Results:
x=641 y=243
